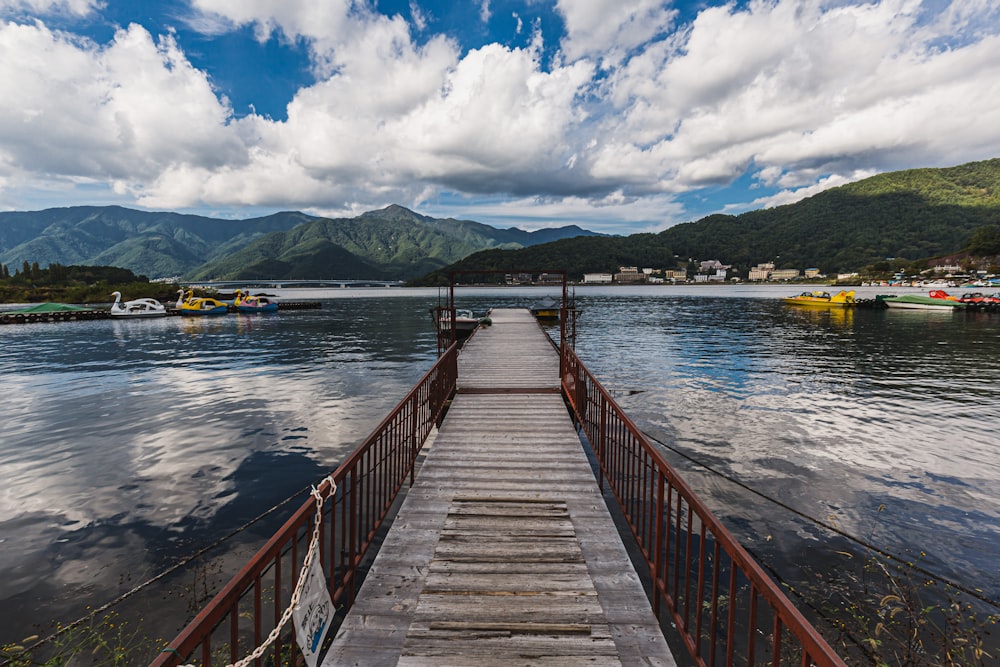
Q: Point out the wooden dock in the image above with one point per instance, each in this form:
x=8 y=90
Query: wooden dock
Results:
x=503 y=552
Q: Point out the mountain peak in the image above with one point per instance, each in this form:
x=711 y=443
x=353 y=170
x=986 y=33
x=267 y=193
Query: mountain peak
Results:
x=395 y=212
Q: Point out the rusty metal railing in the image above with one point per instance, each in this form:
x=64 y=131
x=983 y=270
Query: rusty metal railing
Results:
x=725 y=608
x=245 y=611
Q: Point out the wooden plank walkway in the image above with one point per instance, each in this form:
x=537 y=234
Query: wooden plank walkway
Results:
x=503 y=552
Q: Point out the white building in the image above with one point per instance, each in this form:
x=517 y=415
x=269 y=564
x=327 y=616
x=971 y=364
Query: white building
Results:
x=784 y=274
x=597 y=278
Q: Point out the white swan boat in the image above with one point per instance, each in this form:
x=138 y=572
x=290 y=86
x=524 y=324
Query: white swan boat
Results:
x=136 y=307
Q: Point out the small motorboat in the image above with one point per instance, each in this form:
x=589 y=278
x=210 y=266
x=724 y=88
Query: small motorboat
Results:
x=200 y=305
x=920 y=302
x=821 y=299
x=546 y=309
x=247 y=303
x=136 y=307
x=973 y=298
x=465 y=321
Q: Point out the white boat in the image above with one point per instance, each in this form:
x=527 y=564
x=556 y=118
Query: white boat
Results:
x=465 y=321
x=920 y=302
x=136 y=307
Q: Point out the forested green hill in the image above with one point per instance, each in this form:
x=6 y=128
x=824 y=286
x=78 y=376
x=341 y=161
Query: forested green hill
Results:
x=390 y=243
x=157 y=244
x=914 y=214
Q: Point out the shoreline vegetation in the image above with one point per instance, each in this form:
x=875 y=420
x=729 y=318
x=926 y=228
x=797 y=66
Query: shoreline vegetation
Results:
x=78 y=285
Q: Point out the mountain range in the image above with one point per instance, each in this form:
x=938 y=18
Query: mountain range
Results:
x=392 y=243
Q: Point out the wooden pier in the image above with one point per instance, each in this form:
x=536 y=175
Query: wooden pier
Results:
x=503 y=552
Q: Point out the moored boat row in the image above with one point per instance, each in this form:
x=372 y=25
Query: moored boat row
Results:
x=934 y=300
x=149 y=308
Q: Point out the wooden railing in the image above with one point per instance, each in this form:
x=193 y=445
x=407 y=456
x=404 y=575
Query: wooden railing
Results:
x=725 y=608
x=247 y=609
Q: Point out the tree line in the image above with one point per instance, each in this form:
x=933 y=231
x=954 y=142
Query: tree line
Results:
x=33 y=283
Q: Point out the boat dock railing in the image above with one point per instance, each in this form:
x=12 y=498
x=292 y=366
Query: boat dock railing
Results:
x=725 y=608
x=243 y=614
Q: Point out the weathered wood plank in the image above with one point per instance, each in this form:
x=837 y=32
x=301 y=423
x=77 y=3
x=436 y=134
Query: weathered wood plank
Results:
x=515 y=628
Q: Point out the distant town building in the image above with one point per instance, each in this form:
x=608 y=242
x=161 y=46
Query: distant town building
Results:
x=518 y=278
x=847 y=276
x=675 y=274
x=784 y=274
x=947 y=268
x=629 y=274
x=712 y=265
x=597 y=278
x=550 y=278
x=648 y=272
x=812 y=273
x=761 y=271
x=718 y=277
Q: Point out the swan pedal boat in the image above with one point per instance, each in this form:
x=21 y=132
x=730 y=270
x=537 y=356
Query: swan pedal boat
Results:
x=822 y=299
x=200 y=305
x=246 y=303
x=136 y=307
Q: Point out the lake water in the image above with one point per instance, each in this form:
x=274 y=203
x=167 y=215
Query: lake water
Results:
x=126 y=446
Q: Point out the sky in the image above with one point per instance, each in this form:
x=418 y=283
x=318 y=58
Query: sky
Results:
x=620 y=116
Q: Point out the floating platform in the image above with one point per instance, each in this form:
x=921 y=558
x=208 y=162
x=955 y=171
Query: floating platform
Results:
x=53 y=313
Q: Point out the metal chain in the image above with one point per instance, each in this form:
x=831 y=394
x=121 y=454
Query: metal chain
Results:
x=310 y=554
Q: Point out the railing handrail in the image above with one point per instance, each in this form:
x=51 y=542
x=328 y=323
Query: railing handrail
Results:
x=811 y=640
x=223 y=603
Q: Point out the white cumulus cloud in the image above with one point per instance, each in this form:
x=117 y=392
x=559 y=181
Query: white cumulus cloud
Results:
x=49 y=7
x=126 y=110
x=610 y=28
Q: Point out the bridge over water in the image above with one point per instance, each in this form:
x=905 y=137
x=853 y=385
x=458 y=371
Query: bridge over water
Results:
x=292 y=284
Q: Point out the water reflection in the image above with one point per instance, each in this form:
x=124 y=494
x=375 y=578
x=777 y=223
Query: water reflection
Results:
x=129 y=444
x=835 y=413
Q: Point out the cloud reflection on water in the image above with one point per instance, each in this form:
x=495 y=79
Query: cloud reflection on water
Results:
x=132 y=444
x=832 y=413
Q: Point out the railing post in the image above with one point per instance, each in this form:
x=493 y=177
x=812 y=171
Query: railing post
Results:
x=658 y=542
x=602 y=441
x=414 y=409
x=352 y=529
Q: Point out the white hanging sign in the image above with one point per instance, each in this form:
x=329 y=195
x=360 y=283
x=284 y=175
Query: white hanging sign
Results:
x=313 y=614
